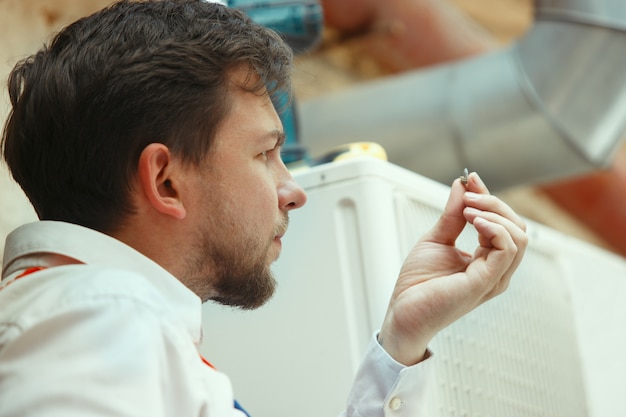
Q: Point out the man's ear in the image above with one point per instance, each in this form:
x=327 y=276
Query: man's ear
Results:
x=159 y=178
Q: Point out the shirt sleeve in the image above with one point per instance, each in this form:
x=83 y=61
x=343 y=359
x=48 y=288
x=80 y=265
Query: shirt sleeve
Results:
x=386 y=388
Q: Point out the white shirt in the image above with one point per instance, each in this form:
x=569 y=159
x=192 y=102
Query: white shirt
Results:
x=105 y=331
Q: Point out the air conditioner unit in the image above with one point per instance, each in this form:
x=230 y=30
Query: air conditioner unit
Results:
x=551 y=346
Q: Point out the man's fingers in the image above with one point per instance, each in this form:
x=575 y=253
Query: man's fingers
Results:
x=489 y=203
x=494 y=264
x=476 y=184
x=512 y=226
x=502 y=246
x=452 y=220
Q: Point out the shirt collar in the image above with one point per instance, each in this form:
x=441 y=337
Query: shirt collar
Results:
x=40 y=239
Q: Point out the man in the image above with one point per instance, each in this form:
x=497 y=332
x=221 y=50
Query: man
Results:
x=146 y=139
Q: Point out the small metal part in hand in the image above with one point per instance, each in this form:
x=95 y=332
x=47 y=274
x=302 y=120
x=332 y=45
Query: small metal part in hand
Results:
x=464 y=176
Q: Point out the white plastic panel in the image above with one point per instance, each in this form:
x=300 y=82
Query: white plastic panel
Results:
x=517 y=356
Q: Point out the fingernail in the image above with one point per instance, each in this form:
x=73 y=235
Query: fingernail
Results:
x=472 y=196
x=471 y=211
x=480 y=180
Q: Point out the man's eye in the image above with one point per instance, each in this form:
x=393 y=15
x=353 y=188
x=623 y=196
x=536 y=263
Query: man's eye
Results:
x=268 y=152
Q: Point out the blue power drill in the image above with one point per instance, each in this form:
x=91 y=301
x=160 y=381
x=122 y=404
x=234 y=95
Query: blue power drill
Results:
x=300 y=24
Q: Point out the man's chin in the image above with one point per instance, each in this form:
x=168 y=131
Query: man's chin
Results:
x=242 y=304
x=247 y=297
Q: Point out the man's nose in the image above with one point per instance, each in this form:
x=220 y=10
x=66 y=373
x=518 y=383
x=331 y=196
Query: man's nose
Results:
x=290 y=194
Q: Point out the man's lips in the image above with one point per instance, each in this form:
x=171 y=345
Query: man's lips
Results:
x=281 y=229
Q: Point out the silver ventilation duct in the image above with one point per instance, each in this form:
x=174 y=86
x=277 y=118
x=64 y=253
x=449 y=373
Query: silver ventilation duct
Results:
x=551 y=105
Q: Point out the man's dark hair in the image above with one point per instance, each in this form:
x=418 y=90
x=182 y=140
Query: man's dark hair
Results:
x=135 y=73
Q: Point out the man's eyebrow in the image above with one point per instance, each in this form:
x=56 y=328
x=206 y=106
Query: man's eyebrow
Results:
x=279 y=135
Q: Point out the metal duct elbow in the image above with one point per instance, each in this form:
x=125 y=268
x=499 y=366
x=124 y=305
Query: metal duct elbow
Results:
x=553 y=104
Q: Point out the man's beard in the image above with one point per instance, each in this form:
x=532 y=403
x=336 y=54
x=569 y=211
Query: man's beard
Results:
x=239 y=276
x=242 y=282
